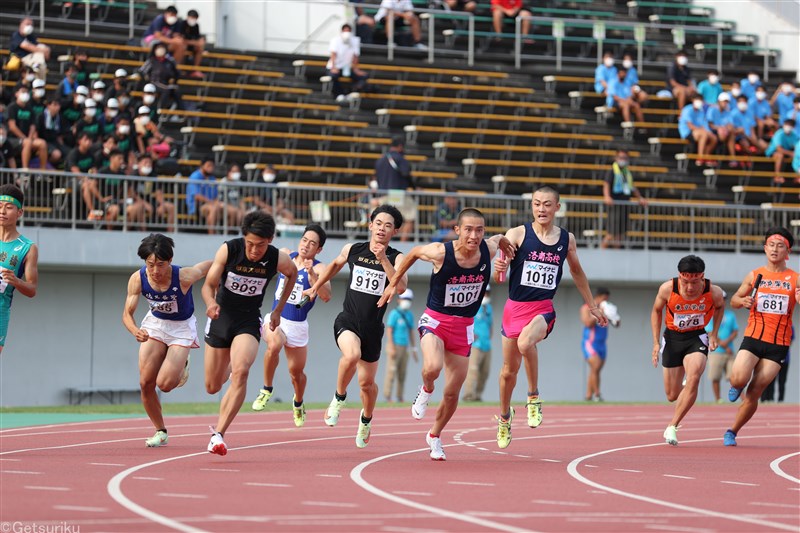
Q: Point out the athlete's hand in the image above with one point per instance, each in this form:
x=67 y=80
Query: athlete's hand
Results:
x=9 y=276
x=379 y=250
x=748 y=301
x=656 y=350
x=310 y=293
x=501 y=265
x=274 y=320
x=212 y=311
x=308 y=264
x=387 y=295
x=600 y=316
x=507 y=247
x=797 y=295
x=141 y=335
x=713 y=342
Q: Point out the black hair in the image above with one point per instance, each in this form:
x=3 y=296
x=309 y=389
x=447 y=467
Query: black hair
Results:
x=789 y=121
x=9 y=189
x=397 y=141
x=316 y=228
x=348 y=26
x=713 y=71
x=752 y=71
x=145 y=156
x=390 y=210
x=259 y=223
x=206 y=159
x=783 y=232
x=83 y=134
x=108 y=137
x=622 y=70
x=548 y=190
x=608 y=53
x=156 y=244
x=622 y=151
x=602 y=291
x=470 y=212
x=691 y=264
x=171 y=9
x=741 y=97
x=681 y=53
x=193 y=13
x=115 y=151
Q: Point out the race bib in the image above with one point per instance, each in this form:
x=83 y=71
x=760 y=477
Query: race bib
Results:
x=167 y=307
x=689 y=321
x=245 y=285
x=427 y=321
x=461 y=294
x=774 y=304
x=539 y=275
x=368 y=281
x=295 y=297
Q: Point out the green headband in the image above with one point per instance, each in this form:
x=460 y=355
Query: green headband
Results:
x=11 y=199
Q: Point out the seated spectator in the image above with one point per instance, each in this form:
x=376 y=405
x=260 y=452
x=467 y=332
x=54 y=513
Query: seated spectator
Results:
x=126 y=106
x=7 y=156
x=114 y=195
x=81 y=160
x=762 y=110
x=22 y=130
x=80 y=62
x=710 y=88
x=620 y=96
x=99 y=94
x=447 y=216
x=461 y=5
x=66 y=87
x=781 y=148
x=162 y=72
x=26 y=79
x=345 y=49
x=118 y=85
x=202 y=195
x=679 y=80
x=618 y=189
x=604 y=74
x=150 y=92
x=25 y=46
x=365 y=24
x=796 y=161
x=102 y=151
x=195 y=41
x=158 y=204
x=147 y=132
x=88 y=122
x=744 y=123
x=750 y=84
x=694 y=125
x=511 y=9
x=50 y=127
x=72 y=112
x=109 y=117
x=735 y=91
x=783 y=99
x=721 y=123
x=232 y=195
x=632 y=79
x=166 y=29
x=403 y=11
x=38 y=100
x=125 y=140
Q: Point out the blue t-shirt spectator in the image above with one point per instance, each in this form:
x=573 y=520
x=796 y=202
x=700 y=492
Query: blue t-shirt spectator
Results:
x=696 y=116
x=621 y=89
x=744 y=120
x=760 y=108
x=632 y=77
x=784 y=104
x=199 y=184
x=15 y=45
x=606 y=74
x=726 y=328
x=160 y=24
x=483 y=328
x=401 y=321
x=796 y=160
x=709 y=91
x=718 y=117
x=749 y=88
x=782 y=139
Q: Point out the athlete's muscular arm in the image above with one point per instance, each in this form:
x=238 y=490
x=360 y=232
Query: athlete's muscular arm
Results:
x=131 y=301
x=797 y=291
x=189 y=275
x=213 y=278
x=656 y=316
x=515 y=236
x=286 y=267
x=330 y=271
x=314 y=274
x=742 y=297
x=586 y=317
x=582 y=283
x=501 y=242
x=432 y=253
x=26 y=287
x=719 y=312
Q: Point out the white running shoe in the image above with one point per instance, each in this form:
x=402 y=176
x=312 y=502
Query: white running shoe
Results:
x=159 y=439
x=420 y=404
x=332 y=412
x=362 y=437
x=216 y=445
x=671 y=435
x=437 y=452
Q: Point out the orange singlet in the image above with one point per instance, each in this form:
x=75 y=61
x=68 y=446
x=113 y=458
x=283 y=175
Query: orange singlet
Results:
x=770 y=319
x=689 y=315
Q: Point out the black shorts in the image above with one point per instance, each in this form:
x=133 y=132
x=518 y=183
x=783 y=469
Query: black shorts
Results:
x=675 y=346
x=765 y=350
x=221 y=332
x=370 y=333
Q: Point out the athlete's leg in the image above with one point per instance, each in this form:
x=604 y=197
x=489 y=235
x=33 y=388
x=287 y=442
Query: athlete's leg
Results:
x=401 y=364
x=673 y=382
x=455 y=372
x=512 y=358
x=275 y=343
x=529 y=337
x=593 y=381
x=765 y=371
x=244 y=350
x=151 y=357
x=743 y=367
x=296 y=361
x=172 y=368
x=433 y=356
x=350 y=346
x=217 y=362
x=470 y=386
x=694 y=364
x=366 y=382
x=389 y=375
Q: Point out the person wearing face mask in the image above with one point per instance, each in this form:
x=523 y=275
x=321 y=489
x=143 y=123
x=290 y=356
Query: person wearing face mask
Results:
x=399 y=345
x=22 y=130
x=26 y=79
x=345 y=50
x=102 y=151
x=618 y=189
x=202 y=195
x=88 y=123
x=108 y=117
x=38 y=101
x=67 y=86
x=480 y=357
x=25 y=46
x=146 y=131
x=784 y=99
x=750 y=83
x=7 y=152
x=161 y=71
x=118 y=85
x=622 y=97
x=80 y=61
x=744 y=123
x=632 y=79
x=99 y=94
x=149 y=95
x=721 y=123
x=51 y=128
x=125 y=140
x=166 y=29
x=679 y=79
x=393 y=173
x=154 y=191
x=781 y=148
x=694 y=124
x=735 y=91
x=762 y=109
x=72 y=111
x=232 y=195
x=604 y=74
x=710 y=88
x=195 y=41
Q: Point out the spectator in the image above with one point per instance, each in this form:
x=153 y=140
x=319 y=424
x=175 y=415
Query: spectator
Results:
x=162 y=72
x=345 y=50
x=620 y=96
x=88 y=123
x=125 y=104
x=480 y=357
x=447 y=216
x=195 y=41
x=80 y=62
x=125 y=140
x=735 y=91
x=400 y=333
x=232 y=195
x=51 y=128
x=632 y=79
x=166 y=29
x=26 y=79
x=99 y=93
x=365 y=24
x=202 y=195
x=693 y=125
x=72 y=112
x=605 y=74
x=618 y=189
x=710 y=88
x=118 y=85
x=26 y=47
x=150 y=92
x=721 y=123
x=102 y=153
x=393 y=173
x=796 y=162
x=22 y=130
x=7 y=155
x=146 y=132
x=744 y=123
x=109 y=117
x=720 y=361
x=679 y=79
x=781 y=148
x=159 y=205
x=750 y=84
x=67 y=87
x=81 y=160
x=511 y=9
x=403 y=12
x=113 y=199
x=762 y=109
x=783 y=99
x=461 y=5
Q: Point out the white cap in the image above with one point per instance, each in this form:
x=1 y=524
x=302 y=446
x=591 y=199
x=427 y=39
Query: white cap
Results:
x=121 y=73
x=99 y=84
x=724 y=97
x=144 y=110
x=149 y=88
x=38 y=84
x=724 y=295
x=82 y=90
x=408 y=294
x=90 y=103
x=112 y=103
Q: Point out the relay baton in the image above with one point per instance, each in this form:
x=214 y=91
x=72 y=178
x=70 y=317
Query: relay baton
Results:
x=303 y=301
x=501 y=276
x=755 y=286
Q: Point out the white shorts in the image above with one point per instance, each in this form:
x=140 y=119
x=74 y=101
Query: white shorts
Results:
x=172 y=332
x=296 y=332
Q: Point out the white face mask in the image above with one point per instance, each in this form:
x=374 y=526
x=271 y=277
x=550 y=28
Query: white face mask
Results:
x=268 y=177
x=752 y=78
x=38 y=93
x=786 y=89
x=713 y=79
x=404 y=304
x=787 y=130
x=627 y=64
x=30 y=76
x=609 y=61
x=235 y=176
x=97 y=97
x=149 y=99
x=90 y=112
x=27 y=29
x=2 y=139
x=144 y=120
x=24 y=97
x=111 y=113
x=698 y=104
x=346 y=36
x=160 y=52
x=145 y=171
x=80 y=99
x=124 y=129
x=736 y=92
x=170 y=20
x=191 y=22
x=760 y=95
x=742 y=106
x=486 y=300
x=683 y=61
x=373 y=184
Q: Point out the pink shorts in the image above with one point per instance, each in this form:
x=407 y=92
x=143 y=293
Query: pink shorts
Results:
x=455 y=331
x=517 y=315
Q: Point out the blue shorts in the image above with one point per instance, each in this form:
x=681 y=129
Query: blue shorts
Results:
x=594 y=349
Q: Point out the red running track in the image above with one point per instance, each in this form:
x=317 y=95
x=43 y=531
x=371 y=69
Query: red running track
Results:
x=587 y=468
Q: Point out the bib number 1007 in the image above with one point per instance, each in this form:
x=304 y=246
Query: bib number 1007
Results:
x=368 y=281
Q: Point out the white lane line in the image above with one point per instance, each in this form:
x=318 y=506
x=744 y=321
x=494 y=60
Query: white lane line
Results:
x=572 y=470
x=551 y=461
x=484 y=449
x=770 y=504
x=329 y=504
x=38 y=487
x=9 y=459
x=471 y=483
x=181 y=495
x=740 y=483
x=24 y=472
x=219 y=470
x=666 y=527
x=395 y=529
x=80 y=508
x=628 y=470
x=794 y=488
x=276 y=485
x=146 y=478
x=591 y=466
x=107 y=464
x=329 y=475
x=523 y=456
x=413 y=493
x=501 y=453
x=776 y=467
x=556 y=502
x=677 y=476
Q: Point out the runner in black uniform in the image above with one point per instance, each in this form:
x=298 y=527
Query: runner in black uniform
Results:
x=359 y=327
x=233 y=293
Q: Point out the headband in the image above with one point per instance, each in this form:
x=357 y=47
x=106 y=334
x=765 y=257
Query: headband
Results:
x=10 y=199
x=780 y=238
x=691 y=275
